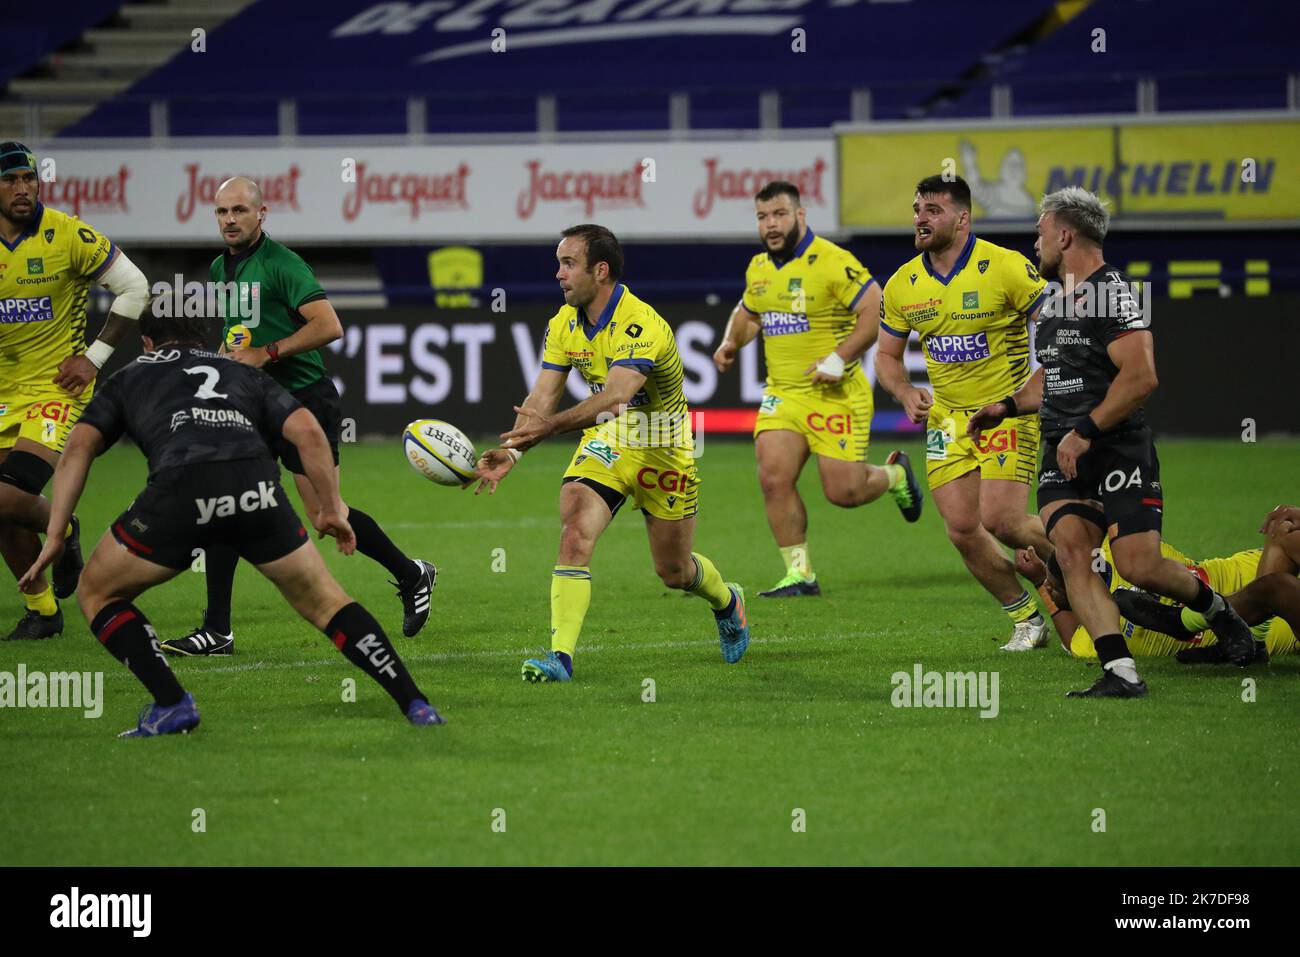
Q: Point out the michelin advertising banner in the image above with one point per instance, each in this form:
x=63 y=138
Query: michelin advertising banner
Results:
x=1194 y=174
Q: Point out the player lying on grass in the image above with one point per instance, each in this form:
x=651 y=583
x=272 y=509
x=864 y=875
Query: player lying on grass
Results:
x=636 y=443
x=202 y=421
x=1266 y=587
x=1156 y=630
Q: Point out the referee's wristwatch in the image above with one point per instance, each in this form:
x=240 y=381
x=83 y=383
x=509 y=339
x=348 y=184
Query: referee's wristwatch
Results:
x=273 y=351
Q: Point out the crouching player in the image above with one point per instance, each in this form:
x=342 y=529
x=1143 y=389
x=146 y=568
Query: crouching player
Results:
x=1151 y=626
x=201 y=420
x=1259 y=584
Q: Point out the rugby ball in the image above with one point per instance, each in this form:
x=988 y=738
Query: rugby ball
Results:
x=439 y=451
x=239 y=337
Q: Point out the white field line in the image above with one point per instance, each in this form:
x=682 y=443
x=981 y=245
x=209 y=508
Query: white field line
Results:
x=339 y=660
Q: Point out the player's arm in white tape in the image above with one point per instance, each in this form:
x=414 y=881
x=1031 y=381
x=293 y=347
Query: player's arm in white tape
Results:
x=865 y=332
x=125 y=279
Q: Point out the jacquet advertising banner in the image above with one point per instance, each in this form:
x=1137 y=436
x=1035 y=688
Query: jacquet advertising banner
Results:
x=395 y=194
x=1188 y=174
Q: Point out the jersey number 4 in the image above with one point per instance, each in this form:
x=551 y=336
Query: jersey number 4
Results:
x=210 y=377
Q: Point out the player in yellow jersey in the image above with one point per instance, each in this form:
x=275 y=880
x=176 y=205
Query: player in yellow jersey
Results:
x=47 y=265
x=636 y=443
x=1260 y=585
x=818 y=311
x=1228 y=576
x=971 y=303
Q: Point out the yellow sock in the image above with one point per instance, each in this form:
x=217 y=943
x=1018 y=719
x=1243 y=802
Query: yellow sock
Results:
x=570 y=596
x=708 y=584
x=43 y=602
x=796 y=560
x=68 y=533
x=1022 y=609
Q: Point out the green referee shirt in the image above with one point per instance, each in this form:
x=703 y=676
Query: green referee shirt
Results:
x=284 y=284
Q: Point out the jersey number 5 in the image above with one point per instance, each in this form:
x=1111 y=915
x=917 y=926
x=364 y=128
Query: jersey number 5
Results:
x=210 y=377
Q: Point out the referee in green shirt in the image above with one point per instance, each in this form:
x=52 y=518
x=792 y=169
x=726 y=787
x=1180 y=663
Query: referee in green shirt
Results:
x=295 y=320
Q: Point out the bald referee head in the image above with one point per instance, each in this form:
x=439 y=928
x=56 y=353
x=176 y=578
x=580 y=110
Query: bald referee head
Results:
x=240 y=212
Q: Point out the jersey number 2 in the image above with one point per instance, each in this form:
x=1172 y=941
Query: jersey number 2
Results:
x=210 y=377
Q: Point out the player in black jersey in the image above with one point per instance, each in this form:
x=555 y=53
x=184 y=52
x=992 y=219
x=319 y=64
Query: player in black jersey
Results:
x=204 y=421
x=1100 y=473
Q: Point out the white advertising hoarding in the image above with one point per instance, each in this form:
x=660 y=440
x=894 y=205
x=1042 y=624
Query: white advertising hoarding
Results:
x=403 y=194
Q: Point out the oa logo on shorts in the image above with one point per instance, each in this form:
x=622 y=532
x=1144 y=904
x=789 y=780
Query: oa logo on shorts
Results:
x=1116 y=480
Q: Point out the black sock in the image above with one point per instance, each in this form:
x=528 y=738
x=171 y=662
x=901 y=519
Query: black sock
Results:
x=1110 y=647
x=1204 y=599
x=126 y=633
x=373 y=543
x=220 y=563
x=355 y=632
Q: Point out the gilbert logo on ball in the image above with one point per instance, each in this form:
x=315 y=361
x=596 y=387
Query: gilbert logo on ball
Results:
x=439 y=451
x=238 y=337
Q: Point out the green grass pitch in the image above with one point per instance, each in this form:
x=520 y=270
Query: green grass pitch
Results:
x=713 y=770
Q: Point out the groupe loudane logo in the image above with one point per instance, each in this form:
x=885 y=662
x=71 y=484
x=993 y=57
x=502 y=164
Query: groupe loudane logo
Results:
x=491 y=26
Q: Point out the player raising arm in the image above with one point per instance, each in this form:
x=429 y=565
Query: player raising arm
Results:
x=202 y=421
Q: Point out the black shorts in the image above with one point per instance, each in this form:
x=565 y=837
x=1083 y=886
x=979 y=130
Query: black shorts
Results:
x=239 y=504
x=1120 y=471
x=321 y=399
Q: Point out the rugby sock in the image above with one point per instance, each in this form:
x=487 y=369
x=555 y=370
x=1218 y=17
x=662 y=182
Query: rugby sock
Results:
x=355 y=632
x=796 y=560
x=1207 y=602
x=127 y=635
x=42 y=602
x=219 y=563
x=373 y=543
x=1193 y=620
x=897 y=476
x=1023 y=608
x=570 y=597
x=709 y=585
x=1113 y=653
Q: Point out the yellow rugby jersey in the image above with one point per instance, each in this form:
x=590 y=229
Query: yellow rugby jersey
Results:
x=627 y=332
x=45 y=277
x=1224 y=575
x=973 y=322
x=807 y=305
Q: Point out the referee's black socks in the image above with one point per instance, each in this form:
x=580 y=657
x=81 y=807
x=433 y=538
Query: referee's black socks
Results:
x=355 y=632
x=126 y=633
x=374 y=543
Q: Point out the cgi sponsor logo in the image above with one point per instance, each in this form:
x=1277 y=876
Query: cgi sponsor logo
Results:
x=999 y=440
x=741 y=184
x=837 y=424
x=421 y=192
x=617 y=189
x=666 y=480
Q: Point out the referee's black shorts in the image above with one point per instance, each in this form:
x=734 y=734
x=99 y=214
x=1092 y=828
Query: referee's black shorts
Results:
x=321 y=399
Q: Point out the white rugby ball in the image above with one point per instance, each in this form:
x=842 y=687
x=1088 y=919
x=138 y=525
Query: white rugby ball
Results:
x=439 y=451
